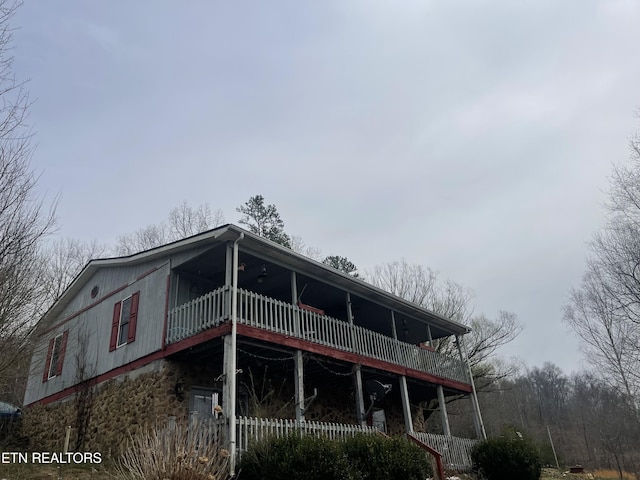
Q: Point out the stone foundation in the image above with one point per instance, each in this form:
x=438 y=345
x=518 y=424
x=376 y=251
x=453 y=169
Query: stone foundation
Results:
x=120 y=407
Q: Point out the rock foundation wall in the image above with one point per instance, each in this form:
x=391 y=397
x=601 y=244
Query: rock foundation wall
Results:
x=120 y=407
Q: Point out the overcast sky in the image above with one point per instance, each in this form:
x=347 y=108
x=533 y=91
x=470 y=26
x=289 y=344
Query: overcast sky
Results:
x=473 y=137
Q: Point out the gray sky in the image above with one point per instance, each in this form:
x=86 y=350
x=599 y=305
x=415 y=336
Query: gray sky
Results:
x=474 y=137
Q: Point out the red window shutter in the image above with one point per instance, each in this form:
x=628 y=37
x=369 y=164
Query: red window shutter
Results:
x=114 y=326
x=63 y=349
x=133 y=318
x=47 y=364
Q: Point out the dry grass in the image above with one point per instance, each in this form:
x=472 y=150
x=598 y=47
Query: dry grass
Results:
x=175 y=452
x=53 y=472
x=612 y=474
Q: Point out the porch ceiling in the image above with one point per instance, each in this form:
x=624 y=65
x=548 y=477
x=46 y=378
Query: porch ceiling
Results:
x=268 y=276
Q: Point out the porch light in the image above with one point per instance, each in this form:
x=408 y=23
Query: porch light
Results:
x=263 y=273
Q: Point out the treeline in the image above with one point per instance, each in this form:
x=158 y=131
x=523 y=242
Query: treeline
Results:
x=590 y=421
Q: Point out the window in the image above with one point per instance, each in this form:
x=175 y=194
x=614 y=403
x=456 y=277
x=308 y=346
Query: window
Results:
x=123 y=325
x=55 y=356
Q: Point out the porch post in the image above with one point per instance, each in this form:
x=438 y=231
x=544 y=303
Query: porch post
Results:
x=357 y=373
x=299 y=385
x=297 y=330
x=394 y=332
x=360 y=410
x=404 y=390
x=475 y=406
x=228 y=265
x=406 y=406
x=429 y=335
x=443 y=411
x=228 y=278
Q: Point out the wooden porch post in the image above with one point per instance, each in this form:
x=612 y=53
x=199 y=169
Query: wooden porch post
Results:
x=294 y=300
x=299 y=385
x=228 y=279
x=404 y=390
x=406 y=406
x=298 y=378
x=360 y=410
x=475 y=406
x=228 y=264
x=357 y=372
x=443 y=411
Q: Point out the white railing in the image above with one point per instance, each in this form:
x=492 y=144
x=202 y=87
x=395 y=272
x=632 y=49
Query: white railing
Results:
x=455 y=451
x=274 y=315
x=281 y=317
x=253 y=429
x=197 y=315
x=250 y=429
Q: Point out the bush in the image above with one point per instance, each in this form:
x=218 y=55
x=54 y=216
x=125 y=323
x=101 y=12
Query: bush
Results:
x=174 y=452
x=506 y=458
x=375 y=457
x=294 y=457
x=364 y=457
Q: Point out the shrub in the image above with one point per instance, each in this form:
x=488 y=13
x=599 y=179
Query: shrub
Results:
x=507 y=458
x=174 y=452
x=294 y=457
x=374 y=457
x=364 y=457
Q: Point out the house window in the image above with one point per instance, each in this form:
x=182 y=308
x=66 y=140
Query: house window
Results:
x=123 y=325
x=55 y=356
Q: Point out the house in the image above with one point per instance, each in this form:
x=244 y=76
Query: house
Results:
x=226 y=323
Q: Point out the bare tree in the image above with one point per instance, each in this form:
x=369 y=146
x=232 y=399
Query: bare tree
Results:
x=62 y=260
x=421 y=286
x=183 y=221
x=298 y=245
x=24 y=218
x=605 y=310
x=84 y=400
x=409 y=281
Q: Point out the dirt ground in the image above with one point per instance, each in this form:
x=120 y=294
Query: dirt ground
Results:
x=105 y=472
x=50 y=472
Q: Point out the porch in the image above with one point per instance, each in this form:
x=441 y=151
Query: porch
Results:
x=281 y=322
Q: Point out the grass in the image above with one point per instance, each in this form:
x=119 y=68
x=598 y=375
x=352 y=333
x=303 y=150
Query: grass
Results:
x=106 y=471
x=29 y=471
x=612 y=474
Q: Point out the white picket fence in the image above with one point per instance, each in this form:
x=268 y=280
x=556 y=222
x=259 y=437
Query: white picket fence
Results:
x=281 y=317
x=251 y=429
x=255 y=429
x=455 y=451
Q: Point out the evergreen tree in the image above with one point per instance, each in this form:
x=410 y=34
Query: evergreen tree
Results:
x=263 y=220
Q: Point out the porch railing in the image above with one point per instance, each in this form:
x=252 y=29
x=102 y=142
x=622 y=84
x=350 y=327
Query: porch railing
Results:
x=455 y=451
x=281 y=317
x=197 y=315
